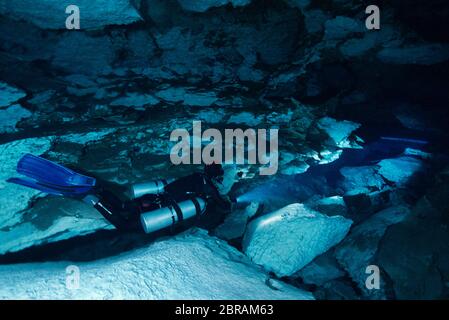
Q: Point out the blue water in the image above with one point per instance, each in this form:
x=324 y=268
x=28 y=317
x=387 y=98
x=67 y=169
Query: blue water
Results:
x=322 y=180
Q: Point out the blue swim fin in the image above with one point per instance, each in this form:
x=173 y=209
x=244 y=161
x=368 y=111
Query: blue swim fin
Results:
x=52 y=178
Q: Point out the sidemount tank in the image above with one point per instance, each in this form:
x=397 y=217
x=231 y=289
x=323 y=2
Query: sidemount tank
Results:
x=165 y=217
x=152 y=187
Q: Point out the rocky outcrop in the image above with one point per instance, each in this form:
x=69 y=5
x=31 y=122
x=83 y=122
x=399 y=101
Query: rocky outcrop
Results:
x=339 y=131
x=176 y=268
x=359 y=249
x=51 y=14
x=414 y=251
x=321 y=270
x=235 y=223
x=15 y=199
x=361 y=179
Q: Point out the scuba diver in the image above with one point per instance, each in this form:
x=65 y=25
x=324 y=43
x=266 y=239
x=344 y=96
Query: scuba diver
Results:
x=145 y=207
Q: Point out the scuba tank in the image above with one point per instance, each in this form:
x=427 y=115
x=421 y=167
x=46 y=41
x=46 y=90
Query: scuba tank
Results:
x=171 y=215
x=153 y=187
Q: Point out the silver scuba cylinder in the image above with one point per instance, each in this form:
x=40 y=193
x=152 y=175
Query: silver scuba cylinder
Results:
x=152 y=187
x=165 y=217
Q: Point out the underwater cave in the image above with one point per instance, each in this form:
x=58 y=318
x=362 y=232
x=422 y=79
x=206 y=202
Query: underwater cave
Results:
x=90 y=98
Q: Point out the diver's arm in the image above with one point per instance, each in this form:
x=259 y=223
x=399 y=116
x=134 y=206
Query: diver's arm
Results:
x=122 y=215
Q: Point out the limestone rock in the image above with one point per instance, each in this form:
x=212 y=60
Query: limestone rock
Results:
x=286 y=240
x=177 y=268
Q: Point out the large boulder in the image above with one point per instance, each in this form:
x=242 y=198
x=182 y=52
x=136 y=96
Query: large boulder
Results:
x=51 y=14
x=359 y=248
x=175 y=268
x=401 y=170
x=362 y=179
x=286 y=240
x=339 y=131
